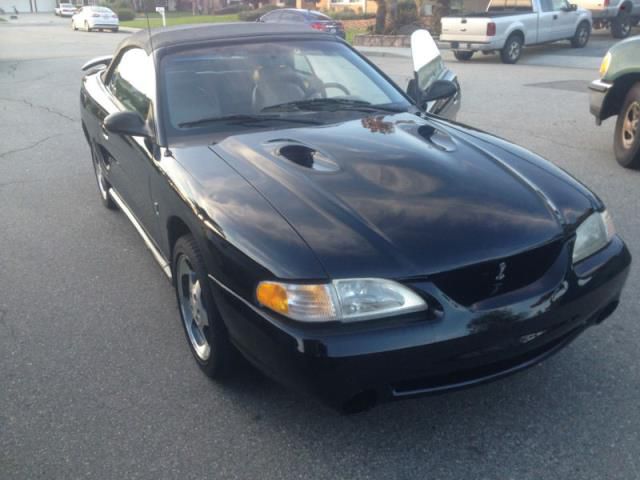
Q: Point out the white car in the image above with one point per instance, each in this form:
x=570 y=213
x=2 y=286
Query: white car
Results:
x=65 y=10
x=95 y=18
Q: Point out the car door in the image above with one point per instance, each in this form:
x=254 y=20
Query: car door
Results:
x=131 y=84
x=556 y=22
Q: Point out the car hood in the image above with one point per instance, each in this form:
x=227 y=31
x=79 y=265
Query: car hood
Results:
x=396 y=196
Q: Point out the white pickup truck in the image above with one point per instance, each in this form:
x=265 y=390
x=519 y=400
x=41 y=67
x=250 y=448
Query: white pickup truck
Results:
x=619 y=15
x=508 y=25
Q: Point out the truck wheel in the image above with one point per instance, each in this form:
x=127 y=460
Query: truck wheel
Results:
x=621 y=25
x=512 y=49
x=627 y=137
x=462 y=56
x=581 y=36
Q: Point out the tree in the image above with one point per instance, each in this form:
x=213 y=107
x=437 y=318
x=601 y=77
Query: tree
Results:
x=441 y=9
x=381 y=16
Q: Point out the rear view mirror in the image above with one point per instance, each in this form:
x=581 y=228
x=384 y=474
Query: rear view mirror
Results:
x=428 y=84
x=127 y=123
x=438 y=90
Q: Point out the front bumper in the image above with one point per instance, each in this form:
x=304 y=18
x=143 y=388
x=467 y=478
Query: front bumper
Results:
x=354 y=366
x=598 y=91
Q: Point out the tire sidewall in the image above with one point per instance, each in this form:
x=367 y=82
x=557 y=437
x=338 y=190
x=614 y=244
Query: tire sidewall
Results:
x=217 y=364
x=627 y=157
x=506 y=58
x=576 y=40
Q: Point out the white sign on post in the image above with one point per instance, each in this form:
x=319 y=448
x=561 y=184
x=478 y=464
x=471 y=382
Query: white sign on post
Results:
x=160 y=10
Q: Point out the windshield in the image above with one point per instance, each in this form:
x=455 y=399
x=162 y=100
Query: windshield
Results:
x=256 y=83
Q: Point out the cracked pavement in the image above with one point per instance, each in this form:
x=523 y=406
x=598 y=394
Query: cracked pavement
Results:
x=96 y=380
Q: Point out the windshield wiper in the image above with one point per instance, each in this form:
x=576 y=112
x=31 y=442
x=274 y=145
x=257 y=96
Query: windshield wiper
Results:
x=331 y=104
x=245 y=119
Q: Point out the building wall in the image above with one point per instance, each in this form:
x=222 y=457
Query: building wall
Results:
x=28 y=6
x=358 y=6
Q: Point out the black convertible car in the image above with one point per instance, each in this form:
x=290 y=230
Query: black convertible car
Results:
x=327 y=225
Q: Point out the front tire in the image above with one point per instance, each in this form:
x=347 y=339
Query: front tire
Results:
x=627 y=135
x=462 y=56
x=103 y=184
x=206 y=334
x=621 y=25
x=512 y=49
x=581 y=37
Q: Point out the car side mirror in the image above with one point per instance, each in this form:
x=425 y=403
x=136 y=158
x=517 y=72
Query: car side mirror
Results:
x=438 y=90
x=127 y=123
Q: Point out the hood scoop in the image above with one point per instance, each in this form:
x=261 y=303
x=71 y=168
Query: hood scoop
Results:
x=304 y=156
x=439 y=139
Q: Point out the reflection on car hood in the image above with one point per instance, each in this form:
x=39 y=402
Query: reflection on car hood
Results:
x=398 y=196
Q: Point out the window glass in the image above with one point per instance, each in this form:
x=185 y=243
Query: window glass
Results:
x=245 y=79
x=558 y=4
x=291 y=17
x=318 y=16
x=133 y=82
x=271 y=17
x=519 y=5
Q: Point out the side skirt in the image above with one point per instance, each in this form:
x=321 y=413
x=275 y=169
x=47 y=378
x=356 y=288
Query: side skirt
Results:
x=164 y=264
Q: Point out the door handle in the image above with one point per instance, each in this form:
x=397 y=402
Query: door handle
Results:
x=555 y=17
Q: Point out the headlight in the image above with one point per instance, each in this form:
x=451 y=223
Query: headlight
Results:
x=604 y=66
x=341 y=300
x=592 y=235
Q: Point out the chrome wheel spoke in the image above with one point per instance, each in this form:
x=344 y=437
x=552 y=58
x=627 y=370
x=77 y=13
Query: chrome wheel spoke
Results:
x=194 y=314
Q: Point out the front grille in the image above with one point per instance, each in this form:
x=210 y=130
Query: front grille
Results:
x=471 y=284
x=483 y=372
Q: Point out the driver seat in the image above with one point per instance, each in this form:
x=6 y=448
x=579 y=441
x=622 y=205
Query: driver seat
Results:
x=274 y=85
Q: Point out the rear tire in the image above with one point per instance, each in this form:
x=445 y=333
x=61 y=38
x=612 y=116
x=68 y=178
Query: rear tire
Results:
x=205 y=331
x=621 y=25
x=581 y=37
x=512 y=49
x=627 y=135
x=462 y=56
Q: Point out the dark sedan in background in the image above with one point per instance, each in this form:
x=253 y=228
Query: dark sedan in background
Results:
x=316 y=20
x=319 y=220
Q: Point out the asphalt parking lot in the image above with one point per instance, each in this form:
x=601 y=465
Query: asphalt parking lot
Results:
x=96 y=380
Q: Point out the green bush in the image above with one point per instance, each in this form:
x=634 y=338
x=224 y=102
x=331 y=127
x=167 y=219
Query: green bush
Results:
x=349 y=14
x=231 y=9
x=253 y=15
x=124 y=14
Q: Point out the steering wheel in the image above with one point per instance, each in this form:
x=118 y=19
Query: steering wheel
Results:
x=338 y=86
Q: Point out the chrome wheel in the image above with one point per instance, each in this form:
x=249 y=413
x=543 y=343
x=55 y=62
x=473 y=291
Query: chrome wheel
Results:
x=583 y=36
x=514 y=50
x=192 y=309
x=625 y=28
x=630 y=125
x=103 y=186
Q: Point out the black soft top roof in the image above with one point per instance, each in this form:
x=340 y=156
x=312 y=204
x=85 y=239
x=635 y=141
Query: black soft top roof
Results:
x=194 y=34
